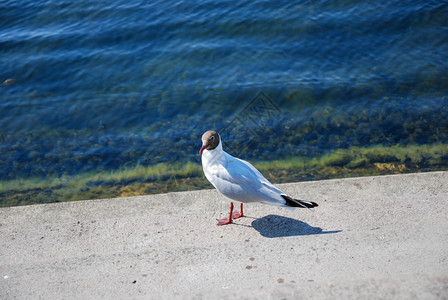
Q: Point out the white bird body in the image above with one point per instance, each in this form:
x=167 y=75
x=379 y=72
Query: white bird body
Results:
x=239 y=180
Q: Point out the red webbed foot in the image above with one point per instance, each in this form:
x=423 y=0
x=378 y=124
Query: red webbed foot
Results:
x=223 y=221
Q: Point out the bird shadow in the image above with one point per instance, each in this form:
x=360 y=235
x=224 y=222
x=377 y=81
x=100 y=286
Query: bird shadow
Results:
x=273 y=226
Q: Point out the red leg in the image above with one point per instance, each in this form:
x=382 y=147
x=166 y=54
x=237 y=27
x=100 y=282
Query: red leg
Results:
x=229 y=220
x=239 y=214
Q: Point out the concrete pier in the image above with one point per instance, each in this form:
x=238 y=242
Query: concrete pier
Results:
x=370 y=238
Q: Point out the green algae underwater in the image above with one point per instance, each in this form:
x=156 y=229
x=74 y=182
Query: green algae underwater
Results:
x=322 y=142
x=165 y=177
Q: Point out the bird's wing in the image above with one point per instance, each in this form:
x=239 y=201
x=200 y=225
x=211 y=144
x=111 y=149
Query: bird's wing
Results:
x=264 y=182
x=239 y=180
x=238 y=172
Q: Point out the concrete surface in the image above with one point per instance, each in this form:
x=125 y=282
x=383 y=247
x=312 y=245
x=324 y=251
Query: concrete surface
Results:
x=370 y=238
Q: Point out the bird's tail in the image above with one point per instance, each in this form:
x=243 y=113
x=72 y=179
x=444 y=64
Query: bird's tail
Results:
x=298 y=203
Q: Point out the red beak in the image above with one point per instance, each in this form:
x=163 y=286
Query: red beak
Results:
x=202 y=149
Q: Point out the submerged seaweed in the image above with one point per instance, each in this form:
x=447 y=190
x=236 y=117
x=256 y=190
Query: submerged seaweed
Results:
x=166 y=177
x=326 y=142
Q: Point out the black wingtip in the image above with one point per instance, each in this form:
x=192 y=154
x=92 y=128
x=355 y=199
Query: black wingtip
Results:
x=299 y=203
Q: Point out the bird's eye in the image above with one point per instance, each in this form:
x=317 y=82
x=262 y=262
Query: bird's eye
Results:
x=213 y=137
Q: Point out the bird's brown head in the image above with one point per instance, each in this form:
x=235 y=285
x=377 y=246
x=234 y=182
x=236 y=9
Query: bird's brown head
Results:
x=210 y=140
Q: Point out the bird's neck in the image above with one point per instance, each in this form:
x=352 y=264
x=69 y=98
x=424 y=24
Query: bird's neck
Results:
x=212 y=157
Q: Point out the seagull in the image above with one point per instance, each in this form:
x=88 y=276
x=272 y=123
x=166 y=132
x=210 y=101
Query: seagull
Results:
x=239 y=180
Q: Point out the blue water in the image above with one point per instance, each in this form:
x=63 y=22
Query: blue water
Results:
x=101 y=85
